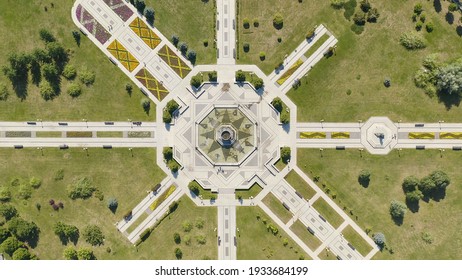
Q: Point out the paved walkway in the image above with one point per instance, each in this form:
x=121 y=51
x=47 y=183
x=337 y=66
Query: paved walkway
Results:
x=226 y=35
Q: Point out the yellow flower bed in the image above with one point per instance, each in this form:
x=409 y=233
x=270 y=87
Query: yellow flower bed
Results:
x=450 y=135
x=162 y=198
x=421 y=135
x=340 y=135
x=289 y=72
x=312 y=135
x=124 y=56
x=144 y=32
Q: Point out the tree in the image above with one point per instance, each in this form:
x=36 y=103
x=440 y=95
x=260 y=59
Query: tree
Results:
x=452 y=7
x=441 y=179
x=149 y=14
x=85 y=254
x=168 y=153
x=129 y=88
x=449 y=78
x=262 y=56
x=112 y=204
x=277 y=104
x=21 y=254
x=74 y=90
x=23 y=230
x=246 y=47
x=359 y=18
x=192 y=56
x=278 y=21
x=46 y=90
x=429 y=26
x=50 y=72
x=196 y=81
x=3 y=92
x=46 y=36
x=66 y=232
x=57 y=53
x=70 y=253
x=418 y=8
x=379 y=239
x=178 y=253
x=397 y=210
x=175 y=40
x=146 y=104
x=213 y=76
x=25 y=191
x=173 y=166
x=140 y=6
x=35 y=182
x=4 y=234
x=172 y=106
x=69 y=72
x=87 y=77
x=177 y=238
x=257 y=83
x=410 y=184
x=365 y=5
x=427 y=185
x=8 y=211
x=240 y=76
x=285 y=154
x=412 y=41
x=93 y=235
x=10 y=245
x=364 y=178
x=194 y=187
x=246 y=23
x=5 y=194
x=373 y=15
x=183 y=47
x=414 y=196
x=76 y=35
x=82 y=188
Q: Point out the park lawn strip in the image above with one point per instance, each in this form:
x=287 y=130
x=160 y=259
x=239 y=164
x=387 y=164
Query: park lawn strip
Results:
x=328 y=212
x=162 y=198
x=370 y=206
x=106 y=99
x=254 y=190
x=300 y=185
x=160 y=245
x=79 y=134
x=111 y=171
x=255 y=242
x=356 y=240
x=316 y=45
x=138 y=222
x=50 y=134
x=327 y=256
x=109 y=134
x=328 y=99
x=275 y=205
x=309 y=239
x=192 y=21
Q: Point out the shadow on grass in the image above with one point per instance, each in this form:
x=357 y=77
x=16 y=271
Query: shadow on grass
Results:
x=449 y=100
x=459 y=30
x=413 y=206
x=449 y=17
x=364 y=182
x=437 y=5
x=397 y=220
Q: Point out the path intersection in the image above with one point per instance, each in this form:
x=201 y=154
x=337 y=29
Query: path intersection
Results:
x=225 y=135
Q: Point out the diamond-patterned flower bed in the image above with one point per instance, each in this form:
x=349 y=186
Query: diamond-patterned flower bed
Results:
x=178 y=65
x=144 y=32
x=124 y=56
x=119 y=8
x=151 y=84
x=91 y=25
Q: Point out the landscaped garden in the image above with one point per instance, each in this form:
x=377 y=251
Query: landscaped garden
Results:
x=124 y=56
x=175 y=62
x=152 y=84
x=144 y=32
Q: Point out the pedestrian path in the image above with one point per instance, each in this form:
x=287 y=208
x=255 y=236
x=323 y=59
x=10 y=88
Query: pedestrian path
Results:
x=226 y=31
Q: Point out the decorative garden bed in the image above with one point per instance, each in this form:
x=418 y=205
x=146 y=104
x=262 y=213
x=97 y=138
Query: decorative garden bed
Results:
x=340 y=135
x=91 y=25
x=152 y=84
x=312 y=135
x=119 y=8
x=178 y=65
x=144 y=32
x=17 y=134
x=421 y=135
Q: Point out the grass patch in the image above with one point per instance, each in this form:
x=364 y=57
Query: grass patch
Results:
x=340 y=135
x=162 y=240
x=316 y=45
x=109 y=134
x=205 y=194
x=328 y=212
x=255 y=242
x=162 y=198
x=276 y=207
x=371 y=205
x=300 y=185
x=111 y=172
x=139 y=134
x=356 y=240
x=421 y=135
x=50 y=134
x=328 y=256
x=105 y=100
x=309 y=239
x=137 y=222
x=254 y=190
x=280 y=165
x=312 y=135
x=79 y=134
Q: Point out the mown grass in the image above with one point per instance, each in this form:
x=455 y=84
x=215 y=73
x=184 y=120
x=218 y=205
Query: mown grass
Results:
x=48 y=134
x=356 y=240
x=116 y=134
x=275 y=205
x=254 y=190
x=107 y=99
x=255 y=242
x=309 y=239
x=370 y=206
x=328 y=212
x=300 y=185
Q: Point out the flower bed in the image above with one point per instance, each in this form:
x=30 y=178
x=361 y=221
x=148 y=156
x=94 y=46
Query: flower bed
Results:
x=152 y=84
x=119 y=8
x=289 y=72
x=91 y=25
x=421 y=135
x=139 y=134
x=144 y=32
x=124 y=56
x=340 y=135
x=312 y=135
x=79 y=134
x=18 y=134
x=162 y=198
x=450 y=135
x=174 y=61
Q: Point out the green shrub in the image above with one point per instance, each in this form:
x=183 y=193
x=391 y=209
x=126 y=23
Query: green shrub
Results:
x=213 y=76
x=418 y=9
x=194 y=187
x=87 y=77
x=59 y=175
x=46 y=90
x=21 y=254
x=74 y=90
x=178 y=253
x=112 y=204
x=359 y=18
x=262 y=56
x=452 y=7
x=246 y=47
x=256 y=22
x=8 y=211
x=93 y=235
x=246 y=23
x=199 y=223
x=25 y=191
x=187 y=226
x=285 y=154
x=240 y=76
x=85 y=254
x=278 y=21
x=418 y=26
x=35 y=182
x=145 y=234
x=173 y=166
x=168 y=153
x=70 y=253
x=177 y=238
x=196 y=81
x=257 y=83
x=10 y=245
x=423 y=17
x=4 y=93
x=429 y=26
x=201 y=240
x=277 y=104
x=412 y=41
x=69 y=72
x=82 y=188
x=5 y=194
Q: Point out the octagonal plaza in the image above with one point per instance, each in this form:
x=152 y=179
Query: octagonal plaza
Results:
x=379 y=135
x=226 y=136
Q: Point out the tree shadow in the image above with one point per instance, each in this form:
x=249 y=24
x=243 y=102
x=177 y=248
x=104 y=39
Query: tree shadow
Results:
x=413 y=206
x=33 y=240
x=364 y=182
x=20 y=88
x=36 y=73
x=449 y=17
x=449 y=100
x=437 y=5
x=459 y=30
x=397 y=220
x=438 y=194
x=286 y=127
x=113 y=209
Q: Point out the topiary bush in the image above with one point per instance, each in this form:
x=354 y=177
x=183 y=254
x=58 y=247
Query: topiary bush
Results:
x=246 y=47
x=429 y=27
x=285 y=154
x=74 y=90
x=69 y=72
x=278 y=21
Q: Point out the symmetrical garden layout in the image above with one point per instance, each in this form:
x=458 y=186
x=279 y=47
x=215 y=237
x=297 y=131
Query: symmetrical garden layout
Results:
x=225 y=135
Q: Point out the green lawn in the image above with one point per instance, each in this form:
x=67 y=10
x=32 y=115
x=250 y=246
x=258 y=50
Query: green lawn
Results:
x=192 y=21
x=160 y=244
x=356 y=240
x=339 y=171
x=48 y=134
x=138 y=222
x=255 y=242
x=300 y=185
x=316 y=45
x=116 y=134
x=328 y=256
x=254 y=190
x=275 y=205
x=280 y=165
x=361 y=64
x=328 y=212
x=309 y=239
x=114 y=172
x=105 y=100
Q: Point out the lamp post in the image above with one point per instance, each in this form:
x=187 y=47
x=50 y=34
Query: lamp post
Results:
x=320 y=151
x=440 y=123
x=441 y=153
x=360 y=152
x=86 y=150
x=131 y=151
x=86 y=122
x=322 y=123
x=130 y=121
x=359 y=123
x=399 y=150
x=41 y=149
x=40 y=120
x=399 y=123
